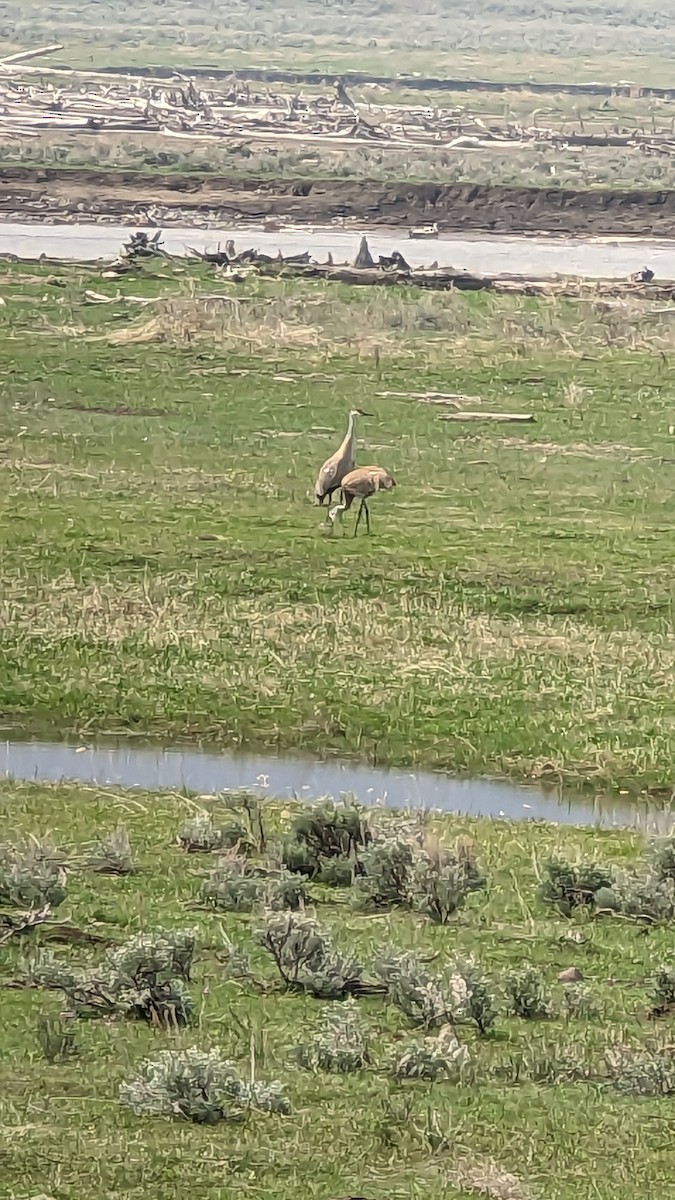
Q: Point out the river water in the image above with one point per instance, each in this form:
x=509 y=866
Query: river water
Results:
x=208 y=771
x=537 y=257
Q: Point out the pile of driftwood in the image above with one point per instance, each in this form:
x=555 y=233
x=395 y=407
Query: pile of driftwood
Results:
x=393 y=270
x=180 y=109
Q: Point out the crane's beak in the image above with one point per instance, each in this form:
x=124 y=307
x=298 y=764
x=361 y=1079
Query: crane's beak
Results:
x=362 y=413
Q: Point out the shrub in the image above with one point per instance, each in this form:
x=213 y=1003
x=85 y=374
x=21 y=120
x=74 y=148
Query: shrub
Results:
x=341 y=1045
x=570 y=886
x=442 y=882
x=32 y=874
x=57 y=1038
x=146 y=957
x=529 y=998
x=324 y=842
x=643 y=897
x=578 y=1003
x=236 y=963
x=387 y=878
x=200 y=835
x=434 y=1059
x=642 y=1072
x=480 y=1004
x=144 y=978
x=663 y=859
x=199 y=1086
x=328 y=830
x=425 y=999
x=236 y=886
x=231 y=886
x=47 y=971
x=305 y=957
x=111 y=854
x=662 y=993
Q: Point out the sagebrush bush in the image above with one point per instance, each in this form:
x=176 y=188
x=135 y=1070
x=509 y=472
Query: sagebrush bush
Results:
x=144 y=978
x=426 y=999
x=579 y=1003
x=32 y=874
x=643 y=1071
x=236 y=886
x=232 y=886
x=528 y=995
x=441 y=1057
x=387 y=879
x=662 y=992
x=305 y=957
x=200 y=835
x=572 y=885
x=324 y=843
x=640 y=896
x=200 y=1086
x=57 y=1038
x=111 y=854
x=663 y=859
x=442 y=881
x=48 y=971
x=341 y=1045
x=145 y=957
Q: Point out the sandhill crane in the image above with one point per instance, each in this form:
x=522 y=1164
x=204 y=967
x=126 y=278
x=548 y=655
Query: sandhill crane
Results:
x=359 y=485
x=335 y=468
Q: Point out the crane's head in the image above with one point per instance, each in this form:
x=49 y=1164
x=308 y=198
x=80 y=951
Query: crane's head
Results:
x=359 y=412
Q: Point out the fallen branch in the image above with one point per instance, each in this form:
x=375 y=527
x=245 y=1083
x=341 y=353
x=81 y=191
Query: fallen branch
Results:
x=24 y=55
x=486 y=416
x=449 y=398
x=55 y=931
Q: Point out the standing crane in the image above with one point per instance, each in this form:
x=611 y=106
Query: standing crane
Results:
x=360 y=485
x=335 y=468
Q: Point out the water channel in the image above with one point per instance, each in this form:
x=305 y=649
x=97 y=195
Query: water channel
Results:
x=210 y=770
x=540 y=257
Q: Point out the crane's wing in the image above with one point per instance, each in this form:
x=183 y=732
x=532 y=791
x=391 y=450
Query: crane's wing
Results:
x=330 y=476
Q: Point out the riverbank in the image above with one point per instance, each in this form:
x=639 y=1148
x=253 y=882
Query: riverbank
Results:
x=542 y=1106
x=28 y=193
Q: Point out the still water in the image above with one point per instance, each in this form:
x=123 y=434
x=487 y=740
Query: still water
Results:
x=209 y=770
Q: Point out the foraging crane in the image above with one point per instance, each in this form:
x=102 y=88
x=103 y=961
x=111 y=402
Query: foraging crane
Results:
x=360 y=485
x=335 y=468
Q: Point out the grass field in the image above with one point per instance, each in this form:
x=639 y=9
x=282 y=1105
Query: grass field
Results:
x=536 y=1111
x=503 y=39
x=164 y=571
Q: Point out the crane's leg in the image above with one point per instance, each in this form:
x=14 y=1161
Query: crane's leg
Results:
x=363 y=508
x=335 y=513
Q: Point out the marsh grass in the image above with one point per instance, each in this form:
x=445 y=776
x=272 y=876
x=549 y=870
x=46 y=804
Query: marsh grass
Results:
x=163 y=569
x=539 y=1108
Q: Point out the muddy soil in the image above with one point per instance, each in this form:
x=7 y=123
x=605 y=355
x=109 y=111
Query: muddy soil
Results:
x=69 y=195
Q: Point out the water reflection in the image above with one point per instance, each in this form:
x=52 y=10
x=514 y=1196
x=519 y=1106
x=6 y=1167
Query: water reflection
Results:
x=205 y=771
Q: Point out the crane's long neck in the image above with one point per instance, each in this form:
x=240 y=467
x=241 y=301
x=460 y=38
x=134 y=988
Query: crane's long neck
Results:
x=350 y=434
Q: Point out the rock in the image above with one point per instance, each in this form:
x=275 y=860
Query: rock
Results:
x=570 y=975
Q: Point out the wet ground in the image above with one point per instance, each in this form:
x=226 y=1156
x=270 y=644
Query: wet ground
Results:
x=532 y=257
x=209 y=771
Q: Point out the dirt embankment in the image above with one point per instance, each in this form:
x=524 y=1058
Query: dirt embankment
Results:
x=418 y=83
x=29 y=194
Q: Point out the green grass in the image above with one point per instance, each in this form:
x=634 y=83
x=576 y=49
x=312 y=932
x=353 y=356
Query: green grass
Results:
x=588 y=41
x=64 y=1134
x=163 y=569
